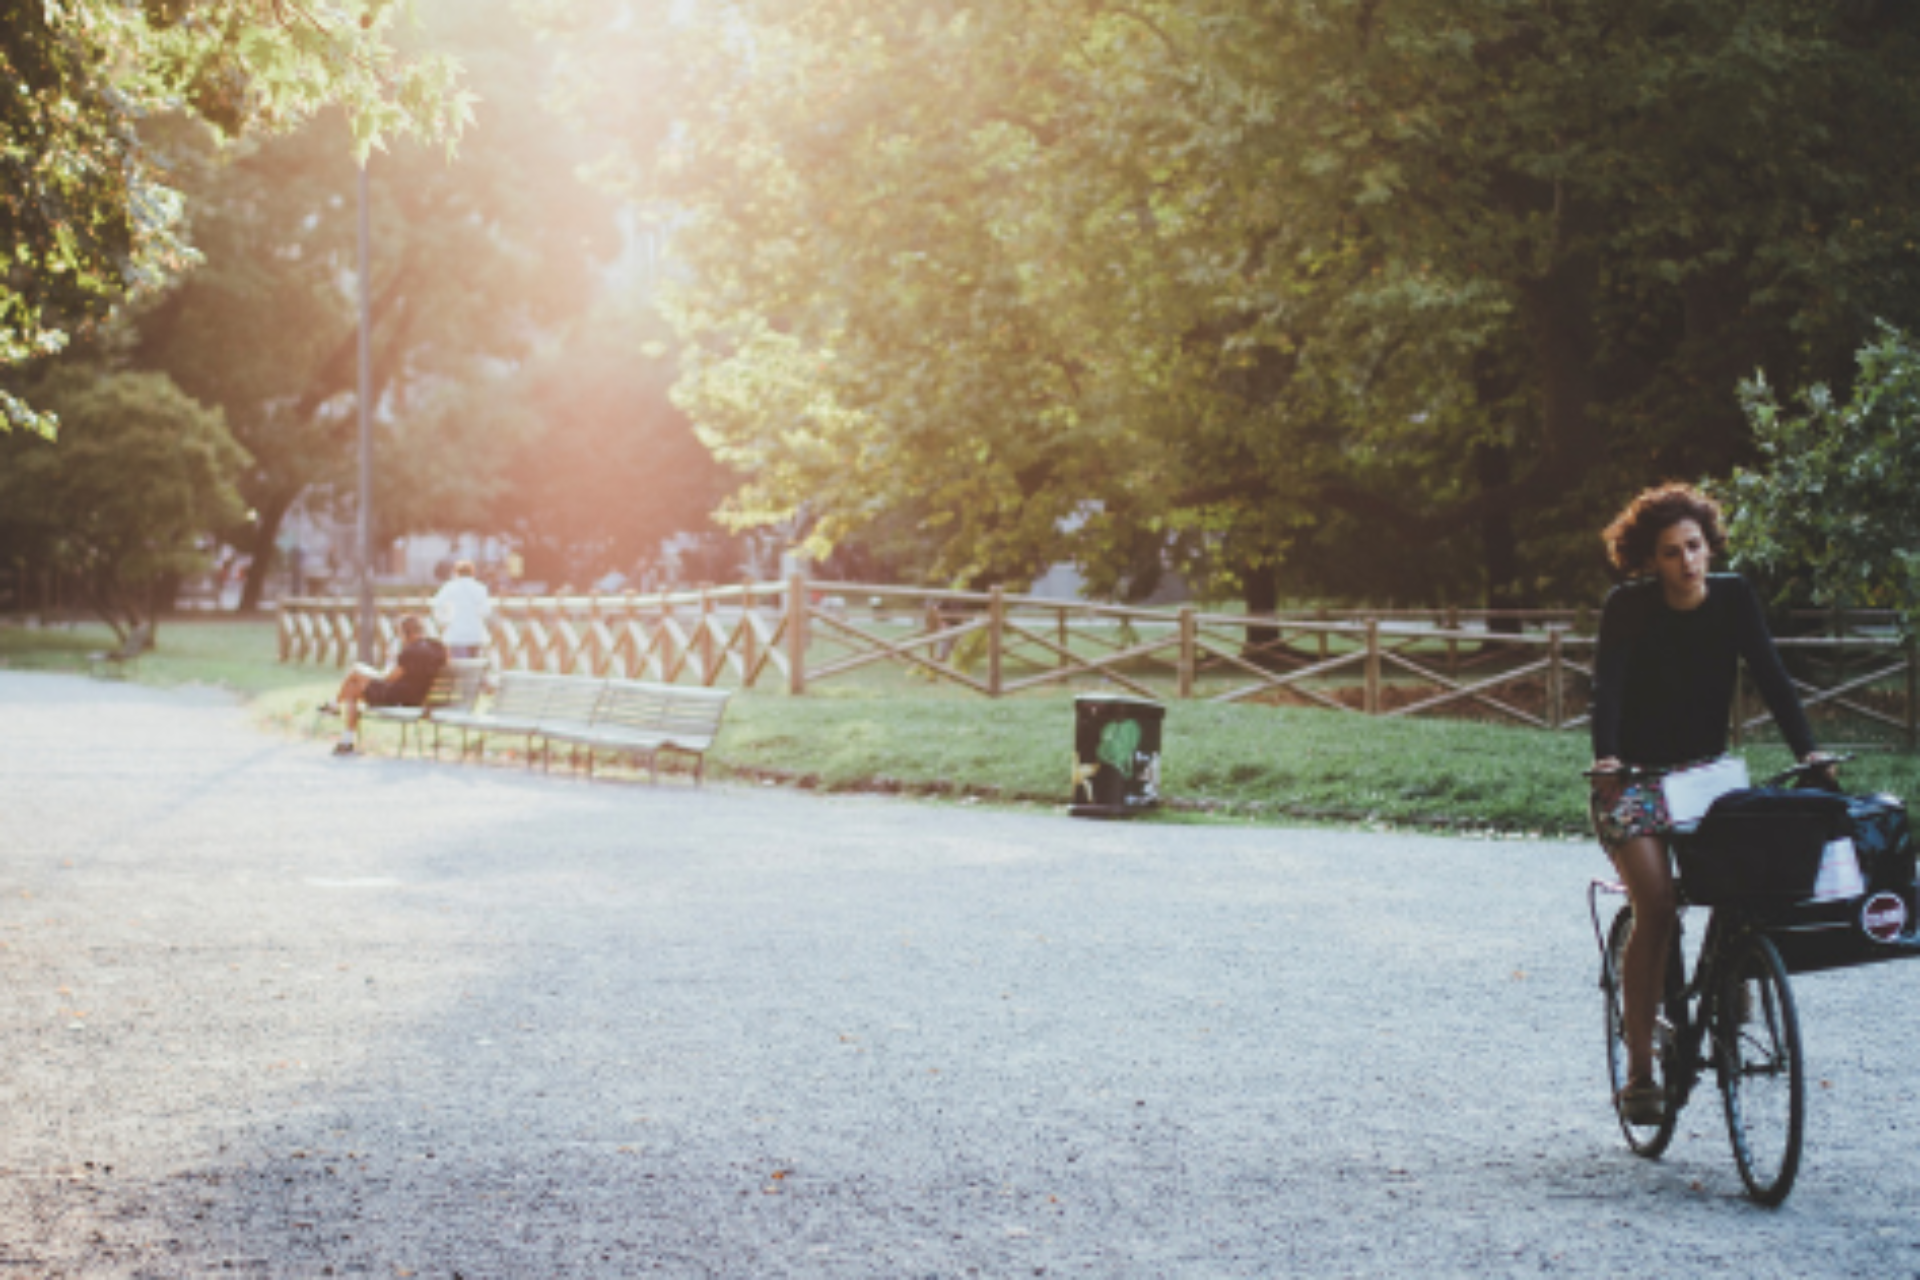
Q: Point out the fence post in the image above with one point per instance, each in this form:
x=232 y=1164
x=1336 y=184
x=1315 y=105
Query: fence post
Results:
x=1188 y=652
x=996 y=615
x=1061 y=615
x=1452 y=624
x=749 y=640
x=1320 y=615
x=1556 y=711
x=599 y=659
x=1370 y=692
x=796 y=634
x=706 y=636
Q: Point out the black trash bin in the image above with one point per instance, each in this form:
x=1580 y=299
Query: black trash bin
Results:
x=1116 y=755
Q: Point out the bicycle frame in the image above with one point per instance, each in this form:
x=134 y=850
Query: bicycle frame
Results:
x=1679 y=1035
x=1752 y=1044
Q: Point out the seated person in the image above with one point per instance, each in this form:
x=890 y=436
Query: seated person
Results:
x=406 y=685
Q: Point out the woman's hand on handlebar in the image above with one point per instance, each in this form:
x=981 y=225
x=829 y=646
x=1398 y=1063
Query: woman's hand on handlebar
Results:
x=1820 y=769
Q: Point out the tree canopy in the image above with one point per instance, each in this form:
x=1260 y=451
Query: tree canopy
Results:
x=88 y=209
x=1829 y=509
x=1337 y=294
x=140 y=475
x=473 y=266
x=610 y=468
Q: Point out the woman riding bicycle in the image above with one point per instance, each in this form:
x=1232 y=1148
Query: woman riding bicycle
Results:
x=1670 y=641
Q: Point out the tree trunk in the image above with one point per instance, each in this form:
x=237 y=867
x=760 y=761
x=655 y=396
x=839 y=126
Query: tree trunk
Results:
x=105 y=600
x=1560 y=311
x=262 y=548
x=1499 y=549
x=165 y=595
x=1261 y=594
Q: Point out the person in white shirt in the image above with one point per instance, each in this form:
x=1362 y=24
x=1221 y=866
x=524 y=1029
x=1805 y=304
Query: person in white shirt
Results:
x=461 y=607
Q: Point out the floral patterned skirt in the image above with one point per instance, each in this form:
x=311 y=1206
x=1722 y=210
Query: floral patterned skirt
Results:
x=1639 y=810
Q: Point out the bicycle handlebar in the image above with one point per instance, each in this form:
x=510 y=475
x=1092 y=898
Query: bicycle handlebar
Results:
x=1631 y=772
x=1802 y=769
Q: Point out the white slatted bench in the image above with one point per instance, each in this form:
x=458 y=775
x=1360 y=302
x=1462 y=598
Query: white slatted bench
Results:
x=516 y=710
x=567 y=710
x=636 y=718
x=631 y=718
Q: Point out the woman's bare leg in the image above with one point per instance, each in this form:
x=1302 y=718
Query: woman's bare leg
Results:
x=1643 y=867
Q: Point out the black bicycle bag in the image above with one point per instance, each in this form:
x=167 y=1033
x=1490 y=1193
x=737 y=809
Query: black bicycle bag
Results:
x=1764 y=844
x=1760 y=844
x=1883 y=840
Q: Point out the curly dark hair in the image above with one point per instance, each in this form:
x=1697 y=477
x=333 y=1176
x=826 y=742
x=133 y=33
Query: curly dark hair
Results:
x=1635 y=532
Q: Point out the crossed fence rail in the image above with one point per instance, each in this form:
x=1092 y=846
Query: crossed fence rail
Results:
x=1531 y=668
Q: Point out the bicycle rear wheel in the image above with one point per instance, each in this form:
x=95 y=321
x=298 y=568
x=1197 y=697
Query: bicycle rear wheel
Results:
x=1756 y=1037
x=1644 y=1140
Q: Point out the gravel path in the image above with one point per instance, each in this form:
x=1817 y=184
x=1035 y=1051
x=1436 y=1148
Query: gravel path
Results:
x=270 y=1013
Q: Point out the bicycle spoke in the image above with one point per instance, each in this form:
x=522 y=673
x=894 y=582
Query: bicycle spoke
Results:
x=1757 y=1043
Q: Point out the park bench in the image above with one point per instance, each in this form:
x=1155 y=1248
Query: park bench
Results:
x=125 y=659
x=517 y=703
x=636 y=718
x=568 y=709
x=454 y=690
x=588 y=714
x=534 y=706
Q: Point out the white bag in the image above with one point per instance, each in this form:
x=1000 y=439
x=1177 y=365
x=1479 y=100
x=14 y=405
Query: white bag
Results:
x=1689 y=792
x=1839 y=872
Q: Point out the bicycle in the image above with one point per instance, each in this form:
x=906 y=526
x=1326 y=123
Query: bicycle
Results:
x=1736 y=1012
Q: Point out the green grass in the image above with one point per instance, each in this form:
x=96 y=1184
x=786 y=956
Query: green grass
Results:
x=898 y=734
x=1221 y=759
x=237 y=653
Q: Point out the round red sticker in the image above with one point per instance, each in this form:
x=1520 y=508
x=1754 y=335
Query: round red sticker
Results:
x=1884 y=917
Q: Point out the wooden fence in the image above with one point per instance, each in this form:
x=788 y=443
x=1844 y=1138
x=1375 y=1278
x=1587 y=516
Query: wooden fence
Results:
x=1530 y=668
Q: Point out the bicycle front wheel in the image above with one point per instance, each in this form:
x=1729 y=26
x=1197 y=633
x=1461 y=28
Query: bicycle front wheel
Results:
x=1756 y=1036
x=1644 y=1140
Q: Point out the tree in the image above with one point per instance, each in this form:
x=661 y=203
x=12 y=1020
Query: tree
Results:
x=132 y=492
x=474 y=264
x=87 y=216
x=1830 y=510
x=1371 y=293
x=610 y=468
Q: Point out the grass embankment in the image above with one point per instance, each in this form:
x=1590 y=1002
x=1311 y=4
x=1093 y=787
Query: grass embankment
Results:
x=1247 y=762
x=237 y=653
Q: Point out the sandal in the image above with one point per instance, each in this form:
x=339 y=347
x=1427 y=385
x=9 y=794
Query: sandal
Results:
x=1642 y=1104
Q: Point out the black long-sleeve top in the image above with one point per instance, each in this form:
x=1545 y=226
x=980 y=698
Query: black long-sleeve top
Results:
x=1663 y=677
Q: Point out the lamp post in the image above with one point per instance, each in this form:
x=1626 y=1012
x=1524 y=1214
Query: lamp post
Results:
x=364 y=630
